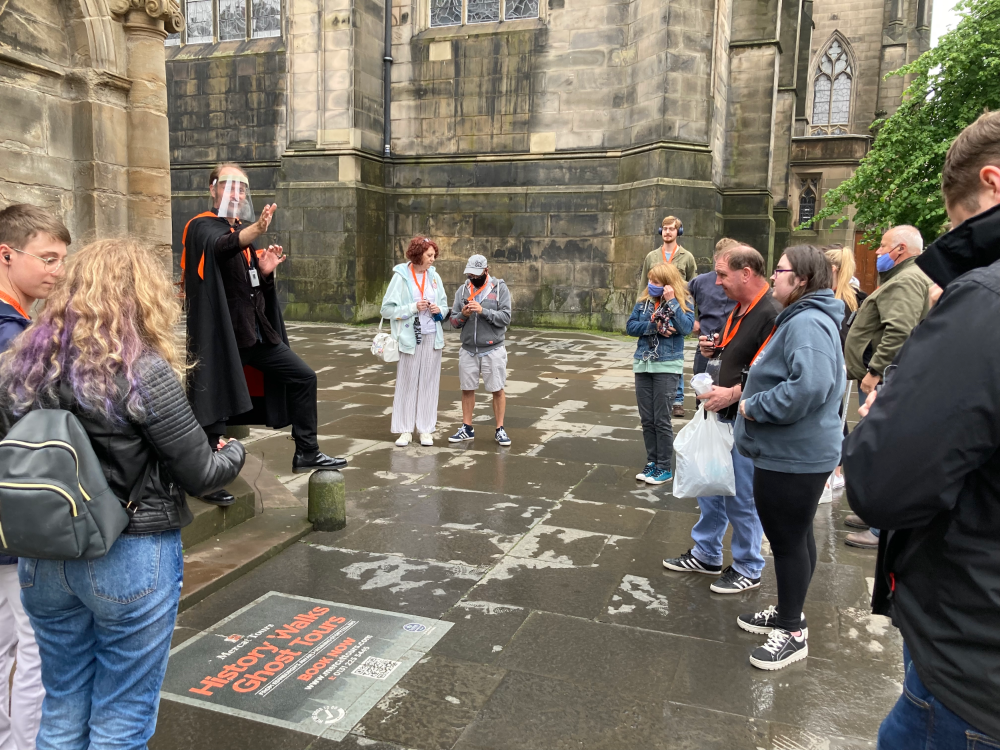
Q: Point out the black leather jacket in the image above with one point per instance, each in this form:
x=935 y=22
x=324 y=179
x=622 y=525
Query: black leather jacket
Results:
x=171 y=437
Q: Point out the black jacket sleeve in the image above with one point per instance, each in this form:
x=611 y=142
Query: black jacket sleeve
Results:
x=938 y=417
x=227 y=245
x=179 y=440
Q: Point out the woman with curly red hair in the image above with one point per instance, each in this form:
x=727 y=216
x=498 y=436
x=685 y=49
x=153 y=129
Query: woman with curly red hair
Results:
x=413 y=303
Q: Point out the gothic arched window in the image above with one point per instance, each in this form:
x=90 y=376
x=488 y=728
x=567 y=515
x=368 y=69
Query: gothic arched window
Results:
x=808 y=193
x=832 y=92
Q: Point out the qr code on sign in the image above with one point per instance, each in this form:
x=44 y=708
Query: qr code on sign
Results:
x=375 y=668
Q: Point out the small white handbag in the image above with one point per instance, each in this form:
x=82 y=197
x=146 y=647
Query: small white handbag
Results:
x=384 y=346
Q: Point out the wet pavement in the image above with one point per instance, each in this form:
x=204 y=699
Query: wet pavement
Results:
x=545 y=556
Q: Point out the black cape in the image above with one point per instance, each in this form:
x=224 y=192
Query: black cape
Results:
x=219 y=387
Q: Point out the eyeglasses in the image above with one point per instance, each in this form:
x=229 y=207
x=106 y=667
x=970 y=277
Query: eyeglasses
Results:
x=782 y=270
x=52 y=265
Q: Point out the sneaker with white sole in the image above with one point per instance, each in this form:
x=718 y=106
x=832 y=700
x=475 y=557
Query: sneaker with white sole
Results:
x=733 y=582
x=688 y=563
x=827 y=496
x=836 y=481
x=660 y=476
x=502 y=438
x=404 y=440
x=646 y=472
x=781 y=649
x=426 y=439
x=464 y=433
x=762 y=623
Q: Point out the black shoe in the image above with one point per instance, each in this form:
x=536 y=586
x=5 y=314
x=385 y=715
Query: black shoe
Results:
x=222 y=498
x=316 y=460
x=762 y=623
x=780 y=650
x=733 y=582
x=688 y=563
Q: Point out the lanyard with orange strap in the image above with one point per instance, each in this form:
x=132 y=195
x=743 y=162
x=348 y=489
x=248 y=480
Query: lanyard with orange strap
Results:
x=727 y=336
x=15 y=304
x=419 y=284
x=475 y=292
x=672 y=254
x=760 y=351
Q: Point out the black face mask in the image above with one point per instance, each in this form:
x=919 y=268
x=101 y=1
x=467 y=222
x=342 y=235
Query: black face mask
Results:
x=478 y=280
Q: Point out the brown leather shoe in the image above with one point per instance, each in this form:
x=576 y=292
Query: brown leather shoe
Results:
x=855 y=522
x=678 y=410
x=862 y=539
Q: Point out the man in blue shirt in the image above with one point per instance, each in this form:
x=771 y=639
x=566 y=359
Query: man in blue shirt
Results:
x=712 y=306
x=32 y=249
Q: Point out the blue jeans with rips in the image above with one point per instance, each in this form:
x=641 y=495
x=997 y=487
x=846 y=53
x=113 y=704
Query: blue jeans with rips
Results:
x=718 y=511
x=919 y=720
x=103 y=629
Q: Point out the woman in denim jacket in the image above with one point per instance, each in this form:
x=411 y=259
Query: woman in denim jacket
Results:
x=415 y=303
x=661 y=318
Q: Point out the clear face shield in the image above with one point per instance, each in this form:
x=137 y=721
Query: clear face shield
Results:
x=235 y=202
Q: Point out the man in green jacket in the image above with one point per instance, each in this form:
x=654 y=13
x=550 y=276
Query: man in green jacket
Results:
x=671 y=252
x=882 y=325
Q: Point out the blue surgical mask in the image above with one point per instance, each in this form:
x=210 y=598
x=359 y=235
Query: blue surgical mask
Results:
x=884 y=262
x=654 y=290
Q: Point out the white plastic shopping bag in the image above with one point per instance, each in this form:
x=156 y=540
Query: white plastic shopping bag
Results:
x=704 y=459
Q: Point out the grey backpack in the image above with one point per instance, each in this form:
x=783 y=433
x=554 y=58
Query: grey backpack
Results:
x=55 y=503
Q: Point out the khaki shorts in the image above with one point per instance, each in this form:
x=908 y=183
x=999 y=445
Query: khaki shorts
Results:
x=492 y=366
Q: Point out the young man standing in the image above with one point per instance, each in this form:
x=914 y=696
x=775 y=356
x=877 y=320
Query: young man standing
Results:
x=670 y=252
x=740 y=272
x=32 y=249
x=482 y=310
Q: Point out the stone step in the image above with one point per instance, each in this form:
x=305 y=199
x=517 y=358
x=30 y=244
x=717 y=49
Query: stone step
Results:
x=211 y=520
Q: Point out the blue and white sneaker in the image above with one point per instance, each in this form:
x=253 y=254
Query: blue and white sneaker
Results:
x=502 y=438
x=660 y=476
x=647 y=472
x=464 y=433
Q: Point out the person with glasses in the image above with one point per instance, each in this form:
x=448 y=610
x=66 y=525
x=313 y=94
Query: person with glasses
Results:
x=33 y=246
x=883 y=323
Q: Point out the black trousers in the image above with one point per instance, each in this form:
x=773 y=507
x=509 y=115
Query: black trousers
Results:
x=654 y=393
x=786 y=505
x=281 y=363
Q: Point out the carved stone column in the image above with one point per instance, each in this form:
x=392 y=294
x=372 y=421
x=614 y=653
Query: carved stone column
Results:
x=147 y=23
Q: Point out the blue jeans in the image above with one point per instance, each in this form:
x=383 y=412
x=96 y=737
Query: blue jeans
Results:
x=103 y=629
x=919 y=720
x=718 y=511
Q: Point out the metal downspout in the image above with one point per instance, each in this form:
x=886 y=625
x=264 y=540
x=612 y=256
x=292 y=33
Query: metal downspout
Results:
x=387 y=82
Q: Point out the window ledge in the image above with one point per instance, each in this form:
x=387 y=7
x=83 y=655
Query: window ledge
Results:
x=477 y=29
x=224 y=49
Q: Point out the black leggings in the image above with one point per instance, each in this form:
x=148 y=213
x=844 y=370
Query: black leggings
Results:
x=786 y=505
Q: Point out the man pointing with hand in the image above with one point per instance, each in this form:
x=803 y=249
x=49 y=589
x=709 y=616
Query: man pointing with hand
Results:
x=243 y=369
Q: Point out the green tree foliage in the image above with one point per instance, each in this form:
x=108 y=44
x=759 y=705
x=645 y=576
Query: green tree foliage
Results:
x=899 y=180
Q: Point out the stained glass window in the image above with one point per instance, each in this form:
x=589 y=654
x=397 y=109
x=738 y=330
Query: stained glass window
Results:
x=266 y=18
x=446 y=12
x=482 y=11
x=199 y=21
x=832 y=91
x=807 y=202
x=232 y=20
x=172 y=40
x=520 y=9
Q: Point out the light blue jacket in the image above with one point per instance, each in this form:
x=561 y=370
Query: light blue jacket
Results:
x=400 y=306
x=794 y=392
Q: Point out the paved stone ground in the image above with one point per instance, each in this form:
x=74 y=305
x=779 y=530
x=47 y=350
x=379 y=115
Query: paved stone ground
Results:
x=568 y=632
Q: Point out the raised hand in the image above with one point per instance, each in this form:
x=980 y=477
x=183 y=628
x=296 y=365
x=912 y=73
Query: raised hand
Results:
x=271 y=258
x=266 y=214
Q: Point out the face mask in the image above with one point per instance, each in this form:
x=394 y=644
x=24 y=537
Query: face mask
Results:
x=884 y=262
x=478 y=280
x=654 y=290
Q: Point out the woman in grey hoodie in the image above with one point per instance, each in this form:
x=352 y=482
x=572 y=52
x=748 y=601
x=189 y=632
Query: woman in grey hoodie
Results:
x=789 y=425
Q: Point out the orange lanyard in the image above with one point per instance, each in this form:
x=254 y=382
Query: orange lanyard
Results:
x=15 y=304
x=475 y=292
x=420 y=285
x=672 y=254
x=726 y=335
x=761 y=350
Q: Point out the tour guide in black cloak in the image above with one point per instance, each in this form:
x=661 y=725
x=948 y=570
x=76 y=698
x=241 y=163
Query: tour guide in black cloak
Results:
x=245 y=372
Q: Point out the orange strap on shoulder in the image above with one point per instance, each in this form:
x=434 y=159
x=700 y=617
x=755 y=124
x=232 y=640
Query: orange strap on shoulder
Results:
x=201 y=263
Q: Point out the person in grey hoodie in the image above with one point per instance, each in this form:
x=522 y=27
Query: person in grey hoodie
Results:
x=789 y=425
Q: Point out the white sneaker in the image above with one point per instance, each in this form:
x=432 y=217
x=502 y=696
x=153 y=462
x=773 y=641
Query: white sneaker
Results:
x=836 y=481
x=404 y=440
x=827 y=496
x=426 y=438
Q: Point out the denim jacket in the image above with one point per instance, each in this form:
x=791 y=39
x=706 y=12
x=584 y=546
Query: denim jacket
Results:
x=652 y=345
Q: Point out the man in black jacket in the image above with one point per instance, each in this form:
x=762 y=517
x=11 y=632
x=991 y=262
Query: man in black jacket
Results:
x=924 y=466
x=245 y=372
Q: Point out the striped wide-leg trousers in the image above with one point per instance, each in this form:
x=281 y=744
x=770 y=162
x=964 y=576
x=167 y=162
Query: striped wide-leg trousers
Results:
x=418 y=381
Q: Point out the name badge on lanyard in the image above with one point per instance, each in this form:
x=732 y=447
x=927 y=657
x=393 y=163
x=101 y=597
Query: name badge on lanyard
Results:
x=254 y=278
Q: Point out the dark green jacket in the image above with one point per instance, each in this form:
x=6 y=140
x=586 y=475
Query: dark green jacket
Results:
x=684 y=261
x=886 y=318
